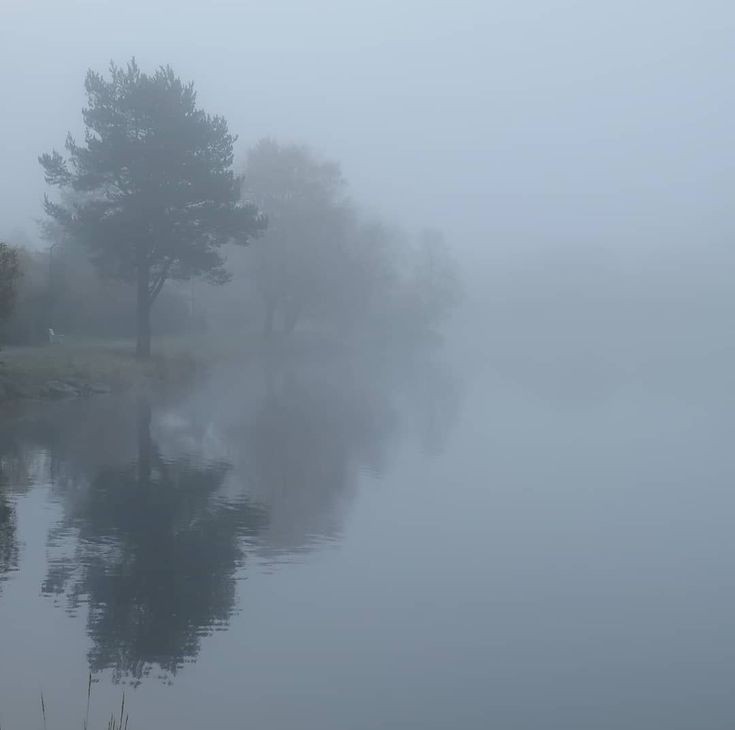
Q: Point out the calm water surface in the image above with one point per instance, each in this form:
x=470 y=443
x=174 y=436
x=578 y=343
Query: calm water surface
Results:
x=523 y=542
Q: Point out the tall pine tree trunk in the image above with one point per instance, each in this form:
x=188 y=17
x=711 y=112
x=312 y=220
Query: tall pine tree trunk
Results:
x=143 y=320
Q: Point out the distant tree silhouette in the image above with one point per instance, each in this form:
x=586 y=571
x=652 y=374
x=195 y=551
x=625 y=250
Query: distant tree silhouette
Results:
x=308 y=219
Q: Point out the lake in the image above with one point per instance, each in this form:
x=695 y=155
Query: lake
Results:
x=502 y=539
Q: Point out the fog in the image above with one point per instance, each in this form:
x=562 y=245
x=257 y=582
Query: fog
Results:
x=511 y=124
x=430 y=423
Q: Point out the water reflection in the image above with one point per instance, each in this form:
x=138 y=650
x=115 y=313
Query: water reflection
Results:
x=311 y=433
x=164 y=502
x=8 y=541
x=15 y=468
x=155 y=557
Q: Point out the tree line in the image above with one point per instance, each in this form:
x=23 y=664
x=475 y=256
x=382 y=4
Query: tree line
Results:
x=152 y=196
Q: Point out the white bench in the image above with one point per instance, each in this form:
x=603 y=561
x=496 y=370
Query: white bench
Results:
x=53 y=338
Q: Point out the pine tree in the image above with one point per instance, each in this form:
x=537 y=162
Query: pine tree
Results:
x=151 y=192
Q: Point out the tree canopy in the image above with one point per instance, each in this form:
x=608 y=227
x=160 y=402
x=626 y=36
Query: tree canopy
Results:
x=308 y=220
x=323 y=260
x=151 y=192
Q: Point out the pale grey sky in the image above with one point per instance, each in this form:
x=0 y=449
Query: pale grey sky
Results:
x=508 y=124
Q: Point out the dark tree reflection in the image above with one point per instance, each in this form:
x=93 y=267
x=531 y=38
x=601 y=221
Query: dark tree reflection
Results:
x=157 y=550
x=160 y=507
x=312 y=434
x=8 y=541
x=16 y=466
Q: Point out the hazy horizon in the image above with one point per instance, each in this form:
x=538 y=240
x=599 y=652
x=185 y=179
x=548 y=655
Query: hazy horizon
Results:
x=510 y=126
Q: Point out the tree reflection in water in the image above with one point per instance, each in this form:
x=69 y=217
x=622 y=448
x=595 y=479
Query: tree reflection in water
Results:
x=16 y=466
x=8 y=541
x=156 y=555
x=161 y=505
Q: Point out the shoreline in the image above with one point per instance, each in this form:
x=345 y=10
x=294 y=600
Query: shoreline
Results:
x=85 y=368
x=77 y=370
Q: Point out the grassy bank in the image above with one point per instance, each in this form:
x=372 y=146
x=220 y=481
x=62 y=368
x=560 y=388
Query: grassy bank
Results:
x=90 y=366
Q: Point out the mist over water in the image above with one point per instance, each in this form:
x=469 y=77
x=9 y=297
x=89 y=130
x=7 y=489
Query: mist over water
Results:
x=340 y=541
x=452 y=447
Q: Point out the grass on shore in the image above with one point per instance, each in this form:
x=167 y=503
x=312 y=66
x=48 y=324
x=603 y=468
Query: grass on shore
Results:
x=175 y=360
x=108 y=362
